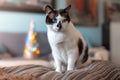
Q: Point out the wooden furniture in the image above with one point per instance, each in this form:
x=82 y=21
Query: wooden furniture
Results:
x=34 y=6
x=21 y=8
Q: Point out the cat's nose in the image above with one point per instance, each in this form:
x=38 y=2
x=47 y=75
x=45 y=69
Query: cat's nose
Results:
x=59 y=25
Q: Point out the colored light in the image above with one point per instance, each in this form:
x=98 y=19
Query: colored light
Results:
x=31 y=41
x=26 y=51
x=35 y=33
x=34 y=41
x=32 y=25
x=37 y=52
x=34 y=48
x=33 y=37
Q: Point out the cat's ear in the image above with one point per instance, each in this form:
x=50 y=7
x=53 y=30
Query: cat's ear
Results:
x=67 y=8
x=48 y=9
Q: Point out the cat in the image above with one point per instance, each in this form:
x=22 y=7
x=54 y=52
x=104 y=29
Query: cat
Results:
x=69 y=48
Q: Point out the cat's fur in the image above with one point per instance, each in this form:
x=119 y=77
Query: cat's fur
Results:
x=69 y=48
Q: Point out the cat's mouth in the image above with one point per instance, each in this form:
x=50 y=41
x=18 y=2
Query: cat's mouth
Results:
x=56 y=29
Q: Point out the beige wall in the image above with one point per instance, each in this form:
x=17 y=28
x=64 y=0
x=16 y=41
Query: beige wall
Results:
x=115 y=41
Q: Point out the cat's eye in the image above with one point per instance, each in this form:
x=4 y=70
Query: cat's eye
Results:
x=64 y=20
x=56 y=15
x=54 y=20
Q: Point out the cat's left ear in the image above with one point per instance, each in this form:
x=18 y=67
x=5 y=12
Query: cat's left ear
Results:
x=48 y=9
x=67 y=8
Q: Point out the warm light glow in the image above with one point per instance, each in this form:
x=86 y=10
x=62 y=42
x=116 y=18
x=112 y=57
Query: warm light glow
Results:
x=37 y=51
x=33 y=37
x=31 y=42
x=34 y=41
x=35 y=33
x=26 y=51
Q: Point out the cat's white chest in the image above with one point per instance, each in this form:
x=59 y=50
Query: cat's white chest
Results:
x=55 y=38
x=60 y=43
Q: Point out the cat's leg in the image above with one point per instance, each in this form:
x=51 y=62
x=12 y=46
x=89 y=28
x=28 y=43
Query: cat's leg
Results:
x=58 y=65
x=64 y=67
x=61 y=68
x=57 y=62
x=72 y=58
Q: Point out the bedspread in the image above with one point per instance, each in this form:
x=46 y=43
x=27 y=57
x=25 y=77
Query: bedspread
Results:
x=94 y=71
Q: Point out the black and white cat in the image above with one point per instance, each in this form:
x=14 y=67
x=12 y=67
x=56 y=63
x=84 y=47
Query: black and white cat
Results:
x=69 y=48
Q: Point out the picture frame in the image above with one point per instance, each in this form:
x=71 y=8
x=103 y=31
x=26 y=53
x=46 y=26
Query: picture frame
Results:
x=84 y=12
x=112 y=11
x=33 y=6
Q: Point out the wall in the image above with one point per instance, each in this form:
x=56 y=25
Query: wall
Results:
x=115 y=42
x=19 y=22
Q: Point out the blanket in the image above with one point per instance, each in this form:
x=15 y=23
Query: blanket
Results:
x=7 y=76
x=94 y=71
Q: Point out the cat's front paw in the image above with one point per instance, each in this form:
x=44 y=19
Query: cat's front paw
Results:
x=70 y=69
x=57 y=70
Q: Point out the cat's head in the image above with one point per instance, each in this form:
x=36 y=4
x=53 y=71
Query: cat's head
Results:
x=57 y=19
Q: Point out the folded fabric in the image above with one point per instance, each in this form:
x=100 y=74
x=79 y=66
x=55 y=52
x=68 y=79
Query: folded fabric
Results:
x=7 y=76
x=94 y=71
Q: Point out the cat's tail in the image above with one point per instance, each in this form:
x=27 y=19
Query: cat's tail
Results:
x=83 y=57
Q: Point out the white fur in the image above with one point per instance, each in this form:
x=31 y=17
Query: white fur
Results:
x=64 y=45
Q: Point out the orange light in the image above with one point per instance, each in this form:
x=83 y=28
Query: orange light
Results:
x=34 y=41
x=37 y=52
x=35 y=33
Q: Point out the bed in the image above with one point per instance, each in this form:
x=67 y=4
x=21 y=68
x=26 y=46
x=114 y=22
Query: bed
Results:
x=94 y=71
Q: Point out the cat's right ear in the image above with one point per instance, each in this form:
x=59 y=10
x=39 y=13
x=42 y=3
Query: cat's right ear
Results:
x=48 y=9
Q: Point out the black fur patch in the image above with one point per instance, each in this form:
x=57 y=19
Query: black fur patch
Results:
x=59 y=25
x=48 y=20
x=51 y=17
x=85 y=57
x=65 y=14
x=80 y=46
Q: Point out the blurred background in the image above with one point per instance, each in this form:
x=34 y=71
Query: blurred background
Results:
x=97 y=20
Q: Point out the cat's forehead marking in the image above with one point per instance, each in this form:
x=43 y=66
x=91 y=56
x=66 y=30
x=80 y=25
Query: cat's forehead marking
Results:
x=59 y=17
